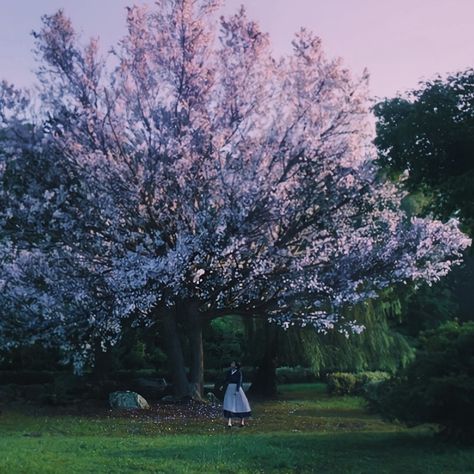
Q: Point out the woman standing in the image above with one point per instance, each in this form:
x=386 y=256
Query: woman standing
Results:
x=236 y=404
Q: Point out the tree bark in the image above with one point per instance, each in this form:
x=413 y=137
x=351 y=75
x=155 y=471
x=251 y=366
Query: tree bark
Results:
x=102 y=363
x=175 y=355
x=196 y=372
x=264 y=380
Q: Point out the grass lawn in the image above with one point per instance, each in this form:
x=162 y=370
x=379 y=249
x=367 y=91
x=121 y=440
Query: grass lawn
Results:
x=303 y=431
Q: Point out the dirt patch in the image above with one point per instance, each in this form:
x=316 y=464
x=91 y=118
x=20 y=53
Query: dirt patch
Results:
x=158 y=411
x=191 y=410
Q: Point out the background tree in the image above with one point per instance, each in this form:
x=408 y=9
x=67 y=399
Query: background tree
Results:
x=380 y=347
x=437 y=387
x=429 y=134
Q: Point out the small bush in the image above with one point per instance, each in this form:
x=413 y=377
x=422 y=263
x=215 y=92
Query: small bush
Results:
x=375 y=377
x=346 y=383
x=341 y=383
x=372 y=392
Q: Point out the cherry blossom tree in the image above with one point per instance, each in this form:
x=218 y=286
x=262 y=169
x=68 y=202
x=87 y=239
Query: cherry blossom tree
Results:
x=193 y=174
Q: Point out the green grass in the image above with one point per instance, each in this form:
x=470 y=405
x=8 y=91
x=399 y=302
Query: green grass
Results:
x=304 y=430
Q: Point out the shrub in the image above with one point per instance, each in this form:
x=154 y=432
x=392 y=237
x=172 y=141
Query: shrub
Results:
x=341 y=383
x=372 y=392
x=437 y=387
x=375 y=377
x=346 y=383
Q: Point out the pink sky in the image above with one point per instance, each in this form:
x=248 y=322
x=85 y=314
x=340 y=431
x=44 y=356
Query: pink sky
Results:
x=399 y=41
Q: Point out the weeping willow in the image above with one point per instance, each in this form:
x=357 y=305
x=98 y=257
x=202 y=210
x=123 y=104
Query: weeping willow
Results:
x=378 y=347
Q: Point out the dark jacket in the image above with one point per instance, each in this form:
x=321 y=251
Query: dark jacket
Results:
x=235 y=377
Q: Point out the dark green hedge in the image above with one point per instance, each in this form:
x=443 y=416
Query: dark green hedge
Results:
x=346 y=383
x=437 y=387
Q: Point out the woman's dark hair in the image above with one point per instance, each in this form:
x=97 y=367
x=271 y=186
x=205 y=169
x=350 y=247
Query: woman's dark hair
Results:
x=237 y=364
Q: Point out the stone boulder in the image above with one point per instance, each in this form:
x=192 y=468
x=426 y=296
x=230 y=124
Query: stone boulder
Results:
x=212 y=399
x=127 y=399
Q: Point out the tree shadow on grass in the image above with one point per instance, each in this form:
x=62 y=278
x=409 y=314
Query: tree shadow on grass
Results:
x=331 y=452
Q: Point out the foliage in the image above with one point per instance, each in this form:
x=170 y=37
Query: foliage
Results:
x=428 y=306
x=341 y=383
x=192 y=166
x=346 y=383
x=284 y=375
x=223 y=342
x=30 y=357
x=291 y=375
x=430 y=134
x=379 y=347
x=438 y=386
x=137 y=349
x=26 y=377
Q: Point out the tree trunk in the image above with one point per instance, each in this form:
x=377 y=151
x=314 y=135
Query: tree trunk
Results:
x=102 y=363
x=196 y=375
x=264 y=380
x=175 y=355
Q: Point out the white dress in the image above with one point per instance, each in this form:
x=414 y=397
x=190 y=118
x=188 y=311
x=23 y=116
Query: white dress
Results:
x=236 y=404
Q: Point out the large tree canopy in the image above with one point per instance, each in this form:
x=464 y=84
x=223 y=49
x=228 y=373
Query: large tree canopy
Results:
x=430 y=134
x=193 y=169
